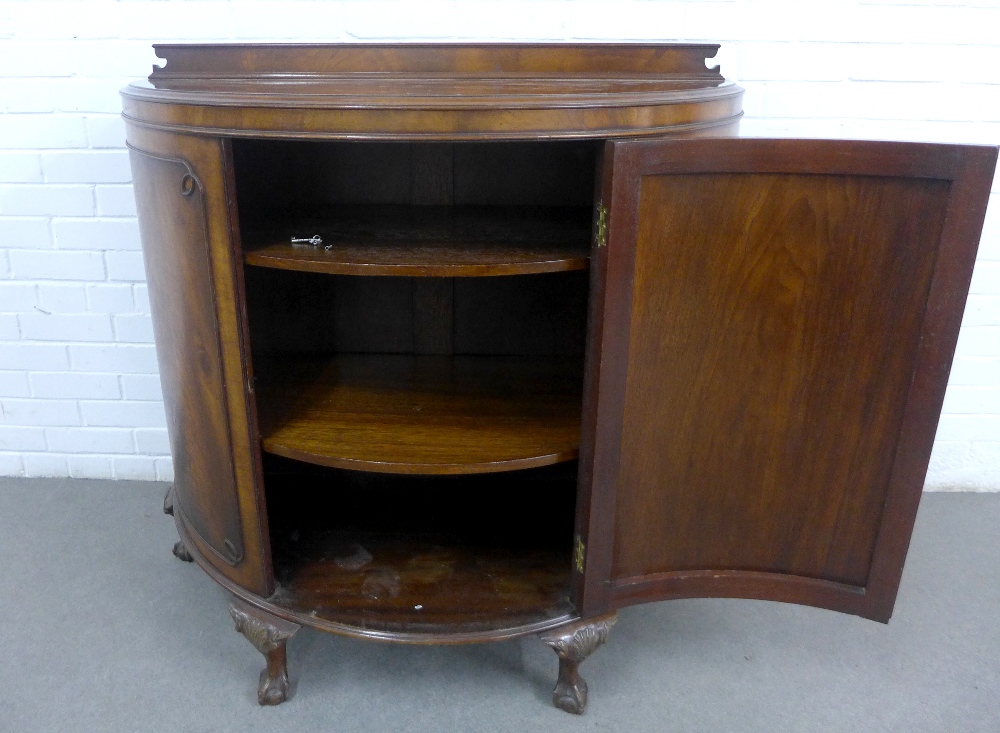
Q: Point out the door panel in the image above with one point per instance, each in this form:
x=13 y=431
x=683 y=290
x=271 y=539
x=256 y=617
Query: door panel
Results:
x=779 y=321
x=180 y=275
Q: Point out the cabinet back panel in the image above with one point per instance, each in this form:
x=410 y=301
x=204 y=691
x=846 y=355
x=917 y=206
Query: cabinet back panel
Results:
x=279 y=179
x=528 y=315
x=525 y=315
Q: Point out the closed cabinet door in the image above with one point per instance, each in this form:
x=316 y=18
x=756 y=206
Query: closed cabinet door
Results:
x=772 y=330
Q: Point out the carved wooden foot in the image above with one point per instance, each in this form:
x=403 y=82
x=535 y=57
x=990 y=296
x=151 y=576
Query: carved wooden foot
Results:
x=269 y=634
x=574 y=643
x=180 y=551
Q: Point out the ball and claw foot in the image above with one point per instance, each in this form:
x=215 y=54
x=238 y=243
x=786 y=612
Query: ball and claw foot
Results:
x=269 y=634
x=570 y=696
x=272 y=690
x=181 y=552
x=574 y=643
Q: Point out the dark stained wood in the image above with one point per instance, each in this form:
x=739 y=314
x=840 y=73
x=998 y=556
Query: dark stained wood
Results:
x=416 y=585
x=768 y=306
x=429 y=241
x=284 y=181
x=536 y=315
x=432 y=174
x=445 y=92
x=191 y=61
x=770 y=330
x=558 y=173
x=422 y=558
x=302 y=113
x=574 y=643
x=205 y=158
x=790 y=344
x=970 y=191
x=421 y=414
x=539 y=315
x=434 y=315
x=292 y=312
x=252 y=459
x=269 y=635
x=357 y=552
x=589 y=588
x=177 y=258
x=448 y=635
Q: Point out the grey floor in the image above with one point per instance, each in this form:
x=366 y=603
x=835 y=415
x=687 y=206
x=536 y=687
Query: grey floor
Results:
x=103 y=630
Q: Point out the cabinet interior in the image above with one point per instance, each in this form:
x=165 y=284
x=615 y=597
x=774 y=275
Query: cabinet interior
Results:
x=418 y=375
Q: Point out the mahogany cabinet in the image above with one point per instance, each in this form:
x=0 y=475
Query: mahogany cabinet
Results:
x=465 y=342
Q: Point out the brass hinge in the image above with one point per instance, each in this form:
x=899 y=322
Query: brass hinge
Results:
x=601 y=225
x=580 y=554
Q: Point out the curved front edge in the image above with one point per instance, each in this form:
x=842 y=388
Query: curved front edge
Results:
x=688 y=113
x=743 y=584
x=179 y=187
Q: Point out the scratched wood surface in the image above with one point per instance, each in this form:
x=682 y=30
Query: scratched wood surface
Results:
x=422 y=557
x=429 y=241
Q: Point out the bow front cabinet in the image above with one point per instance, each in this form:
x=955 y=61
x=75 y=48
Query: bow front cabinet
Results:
x=465 y=342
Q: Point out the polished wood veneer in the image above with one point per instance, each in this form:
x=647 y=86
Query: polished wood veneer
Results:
x=431 y=241
x=424 y=587
x=566 y=344
x=424 y=414
x=436 y=91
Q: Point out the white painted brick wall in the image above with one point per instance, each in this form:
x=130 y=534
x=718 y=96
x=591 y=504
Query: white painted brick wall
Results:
x=78 y=379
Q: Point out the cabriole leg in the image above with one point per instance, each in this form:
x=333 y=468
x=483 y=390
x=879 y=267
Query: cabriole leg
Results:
x=180 y=551
x=268 y=634
x=574 y=643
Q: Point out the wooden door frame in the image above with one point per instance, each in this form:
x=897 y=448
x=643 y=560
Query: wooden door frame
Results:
x=970 y=171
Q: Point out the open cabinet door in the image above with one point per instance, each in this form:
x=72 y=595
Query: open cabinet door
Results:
x=193 y=278
x=772 y=330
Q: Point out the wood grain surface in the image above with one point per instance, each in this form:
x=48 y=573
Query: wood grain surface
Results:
x=442 y=241
x=779 y=320
x=181 y=290
x=439 y=91
x=421 y=414
x=421 y=558
x=389 y=583
x=790 y=327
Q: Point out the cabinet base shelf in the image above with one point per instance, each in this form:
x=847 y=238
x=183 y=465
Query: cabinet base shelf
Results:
x=421 y=588
x=296 y=602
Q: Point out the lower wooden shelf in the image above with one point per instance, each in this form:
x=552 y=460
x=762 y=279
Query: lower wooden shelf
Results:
x=421 y=414
x=387 y=585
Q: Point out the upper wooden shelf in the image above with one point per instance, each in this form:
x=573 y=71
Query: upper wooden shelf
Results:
x=440 y=241
x=421 y=414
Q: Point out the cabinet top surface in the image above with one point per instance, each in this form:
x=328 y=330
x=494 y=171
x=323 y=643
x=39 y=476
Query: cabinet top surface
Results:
x=438 y=90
